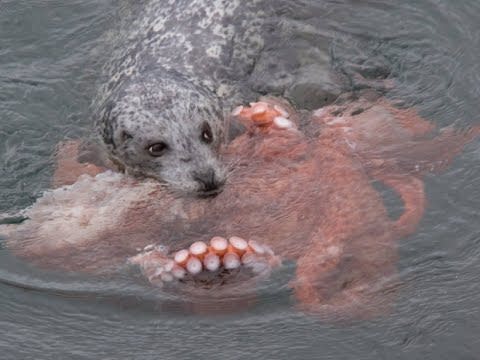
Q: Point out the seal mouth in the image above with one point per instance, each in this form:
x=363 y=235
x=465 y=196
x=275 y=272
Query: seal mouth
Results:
x=209 y=184
x=205 y=194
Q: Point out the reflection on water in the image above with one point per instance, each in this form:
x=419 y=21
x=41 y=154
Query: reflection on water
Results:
x=49 y=56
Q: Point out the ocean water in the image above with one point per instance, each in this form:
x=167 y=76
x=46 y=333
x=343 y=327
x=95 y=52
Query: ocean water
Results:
x=51 y=53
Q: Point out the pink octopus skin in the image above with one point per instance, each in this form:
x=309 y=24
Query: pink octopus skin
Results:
x=305 y=193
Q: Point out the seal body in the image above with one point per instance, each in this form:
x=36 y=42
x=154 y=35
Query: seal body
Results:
x=177 y=67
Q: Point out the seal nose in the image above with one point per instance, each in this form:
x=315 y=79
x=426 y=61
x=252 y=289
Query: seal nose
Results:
x=210 y=184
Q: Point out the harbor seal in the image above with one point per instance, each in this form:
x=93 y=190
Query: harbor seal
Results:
x=175 y=68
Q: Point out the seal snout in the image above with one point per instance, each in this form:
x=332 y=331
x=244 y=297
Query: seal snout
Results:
x=210 y=184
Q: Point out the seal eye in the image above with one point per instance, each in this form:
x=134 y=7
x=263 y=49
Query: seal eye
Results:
x=157 y=149
x=207 y=135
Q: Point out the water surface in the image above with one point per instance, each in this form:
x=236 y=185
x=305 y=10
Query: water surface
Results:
x=50 y=58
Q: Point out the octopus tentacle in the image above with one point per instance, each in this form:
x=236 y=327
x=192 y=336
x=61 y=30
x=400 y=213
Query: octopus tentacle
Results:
x=342 y=274
x=410 y=188
x=438 y=153
x=412 y=192
x=313 y=270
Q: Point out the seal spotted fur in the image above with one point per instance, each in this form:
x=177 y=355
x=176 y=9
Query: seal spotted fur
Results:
x=175 y=69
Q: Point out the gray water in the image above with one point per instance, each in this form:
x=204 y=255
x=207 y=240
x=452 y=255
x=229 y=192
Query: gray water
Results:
x=50 y=58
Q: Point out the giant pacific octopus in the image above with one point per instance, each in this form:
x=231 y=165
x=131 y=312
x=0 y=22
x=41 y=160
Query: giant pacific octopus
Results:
x=302 y=186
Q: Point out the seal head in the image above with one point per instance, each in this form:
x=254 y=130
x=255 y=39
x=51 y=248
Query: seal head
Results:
x=165 y=127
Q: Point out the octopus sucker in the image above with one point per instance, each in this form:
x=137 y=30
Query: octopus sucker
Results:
x=198 y=249
x=231 y=261
x=212 y=262
x=219 y=245
x=194 y=265
x=181 y=257
x=237 y=245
